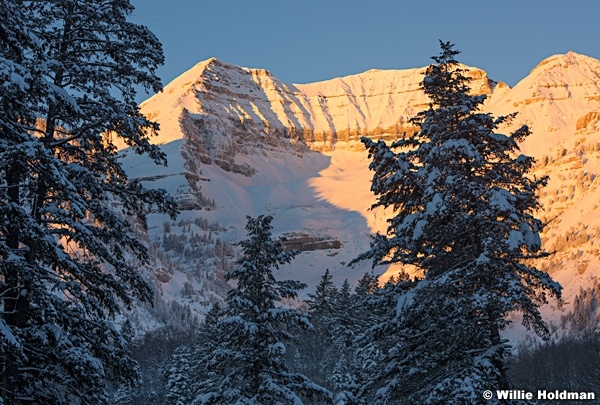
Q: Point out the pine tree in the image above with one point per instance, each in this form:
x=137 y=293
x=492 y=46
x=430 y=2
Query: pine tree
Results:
x=323 y=300
x=463 y=213
x=18 y=85
x=362 y=301
x=374 y=346
x=343 y=375
x=68 y=259
x=326 y=353
x=316 y=350
x=345 y=326
x=249 y=365
x=186 y=374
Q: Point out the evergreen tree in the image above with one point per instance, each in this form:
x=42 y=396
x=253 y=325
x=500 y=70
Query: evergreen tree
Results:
x=187 y=374
x=373 y=346
x=344 y=293
x=68 y=258
x=323 y=300
x=345 y=330
x=19 y=84
x=316 y=350
x=344 y=319
x=249 y=365
x=464 y=214
x=362 y=301
x=325 y=354
x=343 y=380
x=366 y=286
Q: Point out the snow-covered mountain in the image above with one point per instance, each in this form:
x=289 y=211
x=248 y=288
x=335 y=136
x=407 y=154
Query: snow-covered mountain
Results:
x=240 y=142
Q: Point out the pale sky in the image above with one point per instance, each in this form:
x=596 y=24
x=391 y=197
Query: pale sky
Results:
x=313 y=40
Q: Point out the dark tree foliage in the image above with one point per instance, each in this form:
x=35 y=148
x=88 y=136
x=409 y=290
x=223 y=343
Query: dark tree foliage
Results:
x=248 y=365
x=377 y=337
x=324 y=352
x=186 y=373
x=322 y=301
x=463 y=212
x=69 y=258
x=17 y=87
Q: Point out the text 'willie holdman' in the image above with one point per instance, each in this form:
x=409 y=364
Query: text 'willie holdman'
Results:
x=544 y=395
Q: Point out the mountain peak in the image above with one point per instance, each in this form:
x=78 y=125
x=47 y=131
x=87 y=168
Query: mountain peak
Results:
x=194 y=75
x=565 y=61
x=559 y=77
x=195 y=72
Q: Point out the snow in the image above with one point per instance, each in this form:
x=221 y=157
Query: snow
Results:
x=499 y=199
x=461 y=146
x=65 y=96
x=214 y=88
x=515 y=239
x=19 y=80
x=406 y=300
x=435 y=204
x=499 y=137
x=8 y=335
x=304 y=194
x=249 y=327
x=550 y=108
x=327 y=191
x=418 y=231
x=531 y=239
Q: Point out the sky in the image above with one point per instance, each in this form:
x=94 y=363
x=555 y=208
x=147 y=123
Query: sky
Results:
x=313 y=40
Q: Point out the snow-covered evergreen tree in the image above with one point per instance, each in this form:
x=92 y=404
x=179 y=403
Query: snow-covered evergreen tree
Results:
x=361 y=303
x=18 y=86
x=68 y=259
x=345 y=327
x=464 y=214
x=372 y=345
x=326 y=353
x=186 y=374
x=248 y=365
x=316 y=349
x=323 y=300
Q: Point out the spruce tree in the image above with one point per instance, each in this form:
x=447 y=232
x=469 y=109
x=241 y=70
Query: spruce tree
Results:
x=362 y=301
x=345 y=326
x=316 y=349
x=248 y=366
x=68 y=253
x=19 y=85
x=186 y=374
x=322 y=301
x=463 y=213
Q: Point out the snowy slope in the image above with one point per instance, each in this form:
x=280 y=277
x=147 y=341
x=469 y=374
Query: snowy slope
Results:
x=256 y=145
x=560 y=101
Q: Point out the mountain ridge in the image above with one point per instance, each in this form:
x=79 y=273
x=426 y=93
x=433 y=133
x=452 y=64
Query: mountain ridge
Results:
x=315 y=112
x=241 y=142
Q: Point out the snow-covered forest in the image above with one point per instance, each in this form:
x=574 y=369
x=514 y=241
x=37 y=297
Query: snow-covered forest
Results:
x=76 y=258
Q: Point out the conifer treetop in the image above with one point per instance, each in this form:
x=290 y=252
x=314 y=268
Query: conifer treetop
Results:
x=463 y=211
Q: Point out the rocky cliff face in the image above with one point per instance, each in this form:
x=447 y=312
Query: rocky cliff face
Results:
x=229 y=104
x=240 y=142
